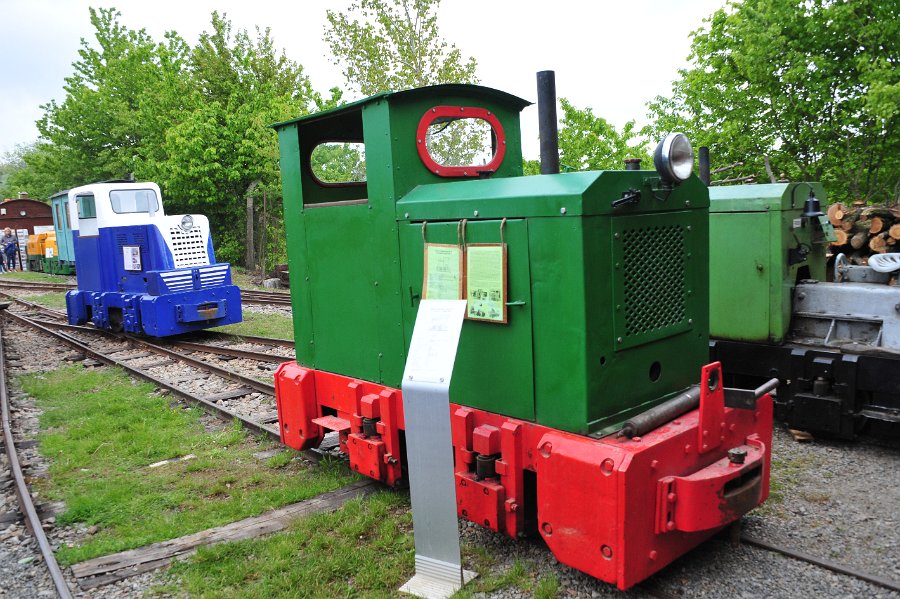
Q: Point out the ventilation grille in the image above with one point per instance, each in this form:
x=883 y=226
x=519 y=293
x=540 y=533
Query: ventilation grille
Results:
x=183 y=280
x=131 y=239
x=653 y=260
x=188 y=248
x=122 y=239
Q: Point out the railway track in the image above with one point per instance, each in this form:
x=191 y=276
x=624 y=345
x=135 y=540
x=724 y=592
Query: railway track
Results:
x=250 y=296
x=142 y=358
x=27 y=507
x=273 y=348
x=236 y=395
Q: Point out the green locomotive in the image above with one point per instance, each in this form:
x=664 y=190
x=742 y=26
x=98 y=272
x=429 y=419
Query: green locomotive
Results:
x=833 y=341
x=601 y=317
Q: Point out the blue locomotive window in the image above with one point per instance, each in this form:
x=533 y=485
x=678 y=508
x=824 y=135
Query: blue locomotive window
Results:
x=86 y=206
x=129 y=201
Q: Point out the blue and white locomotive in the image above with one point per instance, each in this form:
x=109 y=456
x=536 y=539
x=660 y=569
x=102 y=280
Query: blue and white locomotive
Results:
x=142 y=271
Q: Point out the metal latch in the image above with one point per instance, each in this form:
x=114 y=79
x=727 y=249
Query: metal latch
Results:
x=629 y=196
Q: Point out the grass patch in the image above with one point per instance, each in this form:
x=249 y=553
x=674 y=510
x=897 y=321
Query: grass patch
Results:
x=490 y=580
x=38 y=277
x=50 y=300
x=547 y=587
x=101 y=430
x=245 y=280
x=280 y=460
x=261 y=324
x=783 y=479
x=784 y=475
x=365 y=549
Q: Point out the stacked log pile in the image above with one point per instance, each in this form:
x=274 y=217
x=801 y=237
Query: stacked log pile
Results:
x=863 y=230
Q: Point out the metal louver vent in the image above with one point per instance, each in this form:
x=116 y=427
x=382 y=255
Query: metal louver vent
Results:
x=188 y=248
x=130 y=238
x=654 y=271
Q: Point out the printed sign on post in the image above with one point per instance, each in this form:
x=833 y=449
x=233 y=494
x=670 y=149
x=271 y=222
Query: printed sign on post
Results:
x=429 y=449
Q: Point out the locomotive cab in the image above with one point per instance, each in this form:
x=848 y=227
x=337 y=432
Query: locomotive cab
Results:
x=142 y=271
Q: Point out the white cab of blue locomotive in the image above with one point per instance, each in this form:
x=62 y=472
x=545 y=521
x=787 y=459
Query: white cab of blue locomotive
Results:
x=107 y=205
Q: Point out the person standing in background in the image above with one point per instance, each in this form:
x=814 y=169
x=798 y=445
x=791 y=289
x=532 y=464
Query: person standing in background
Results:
x=10 y=244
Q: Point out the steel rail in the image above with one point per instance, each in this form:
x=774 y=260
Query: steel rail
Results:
x=215 y=334
x=186 y=345
x=227 y=351
x=248 y=338
x=34 y=306
x=169 y=353
x=211 y=368
x=28 y=509
x=822 y=563
x=267 y=297
x=111 y=361
x=178 y=356
x=36 y=285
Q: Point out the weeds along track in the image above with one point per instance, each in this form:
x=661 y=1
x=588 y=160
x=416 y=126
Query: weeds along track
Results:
x=27 y=507
x=266 y=298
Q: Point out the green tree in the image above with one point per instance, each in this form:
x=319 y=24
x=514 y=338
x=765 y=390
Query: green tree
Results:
x=812 y=84
x=214 y=154
x=384 y=45
x=195 y=120
x=392 y=45
x=589 y=142
x=23 y=170
x=117 y=105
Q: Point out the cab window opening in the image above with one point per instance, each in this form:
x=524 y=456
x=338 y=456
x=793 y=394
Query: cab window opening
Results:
x=86 y=206
x=337 y=170
x=461 y=141
x=339 y=163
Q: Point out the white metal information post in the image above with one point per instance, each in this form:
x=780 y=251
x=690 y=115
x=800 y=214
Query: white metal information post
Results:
x=429 y=449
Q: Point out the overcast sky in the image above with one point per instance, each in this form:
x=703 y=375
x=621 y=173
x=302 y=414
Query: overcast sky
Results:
x=611 y=55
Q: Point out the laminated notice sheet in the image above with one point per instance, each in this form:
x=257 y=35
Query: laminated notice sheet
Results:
x=486 y=282
x=443 y=278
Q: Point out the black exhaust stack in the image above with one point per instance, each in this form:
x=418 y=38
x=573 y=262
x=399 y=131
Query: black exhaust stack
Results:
x=704 y=165
x=546 y=92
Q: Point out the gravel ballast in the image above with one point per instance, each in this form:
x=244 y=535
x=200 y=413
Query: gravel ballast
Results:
x=837 y=501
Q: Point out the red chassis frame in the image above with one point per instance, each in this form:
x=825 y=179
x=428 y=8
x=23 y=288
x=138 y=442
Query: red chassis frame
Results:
x=616 y=508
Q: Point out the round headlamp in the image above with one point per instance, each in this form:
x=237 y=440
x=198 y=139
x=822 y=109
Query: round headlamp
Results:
x=187 y=223
x=674 y=158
